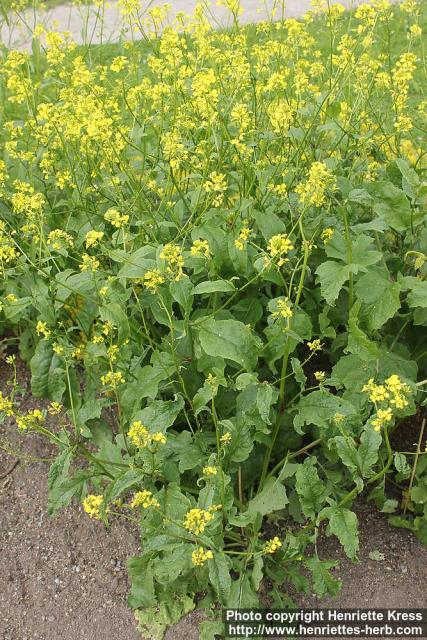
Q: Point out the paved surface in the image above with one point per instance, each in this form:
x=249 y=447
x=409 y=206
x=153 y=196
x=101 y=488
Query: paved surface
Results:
x=89 y=24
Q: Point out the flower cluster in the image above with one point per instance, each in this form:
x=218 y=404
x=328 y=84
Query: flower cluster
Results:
x=144 y=499
x=200 y=555
x=92 y=505
x=271 y=546
x=196 y=520
x=393 y=394
x=141 y=437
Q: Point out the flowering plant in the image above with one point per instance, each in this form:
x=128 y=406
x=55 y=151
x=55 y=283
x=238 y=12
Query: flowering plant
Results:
x=213 y=253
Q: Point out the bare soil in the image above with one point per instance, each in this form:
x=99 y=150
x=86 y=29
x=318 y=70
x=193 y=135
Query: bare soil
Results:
x=65 y=577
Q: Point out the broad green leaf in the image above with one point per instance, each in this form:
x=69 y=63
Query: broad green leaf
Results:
x=153 y=621
x=65 y=489
x=343 y=524
x=323 y=582
x=380 y=295
x=310 y=489
x=47 y=374
x=299 y=374
x=417 y=296
x=319 y=407
x=392 y=205
x=332 y=276
x=266 y=396
x=272 y=498
x=136 y=264
x=219 y=575
x=160 y=414
x=142 y=592
x=367 y=453
x=358 y=342
x=212 y=286
x=401 y=464
x=230 y=339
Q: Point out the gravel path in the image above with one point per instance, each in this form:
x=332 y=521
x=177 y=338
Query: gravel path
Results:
x=87 y=24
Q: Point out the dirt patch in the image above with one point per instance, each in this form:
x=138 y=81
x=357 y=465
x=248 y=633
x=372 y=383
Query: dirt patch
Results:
x=66 y=576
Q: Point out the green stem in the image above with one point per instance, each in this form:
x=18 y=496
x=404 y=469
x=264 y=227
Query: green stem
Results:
x=270 y=447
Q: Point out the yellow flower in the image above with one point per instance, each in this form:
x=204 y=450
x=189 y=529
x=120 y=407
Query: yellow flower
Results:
x=115 y=218
x=272 y=545
x=144 y=499
x=210 y=471
x=153 y=279
x=6 y=405
x=319 y=181
x=42 y=329
x=54 y=408
x=242 y=239
x=90 y=263
x=139 y=435
x=320 y=376
x=93 y=237
x=159 y=437
x=327 y=234
x=278 y=246
x=199 y=556
x=118 y=64
x=92 y=505
x=283 y=309
x=172 y=255
x=217 y=185
x=382 y=416
x=112 y=379
x=200 y=248
x=226 y=438
x=58 y=348
x=196 y=520
x=315 y=345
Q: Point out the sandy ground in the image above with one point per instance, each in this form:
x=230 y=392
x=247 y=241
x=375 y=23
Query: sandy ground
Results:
x=87 y=24
x=65 y=577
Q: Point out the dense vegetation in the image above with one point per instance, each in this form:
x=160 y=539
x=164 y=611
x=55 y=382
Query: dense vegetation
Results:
x=212 y=247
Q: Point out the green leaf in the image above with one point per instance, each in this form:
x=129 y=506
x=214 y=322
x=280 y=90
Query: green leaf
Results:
x=115 y=314
x=323 y=582
x=358 y=342
x=219 y=575
x=392 y=205
x=402 y=466
x=266 y=396
x=319 y=407
x=417 y=296
x=65 y=489
x=122 y=483
x=298 y=372
x=310 y=489
x=153 y=621
x=136 y=264
x=47 y=377
x=142 y=583
x=272 y=498
x=343 y=524
x=59 y=468
x=381 y=295
x=212 y=286
x=160 y=414
x=230 y=339
x=367 y=454
x=332 y=276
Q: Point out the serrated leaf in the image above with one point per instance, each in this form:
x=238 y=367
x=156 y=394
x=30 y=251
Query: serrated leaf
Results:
x=230 y=339
x=47 y=375
x=381 y=295
x=311 y=491
x=213 y=286
x=332 y=276
x=272 y=498
x=219 y=575
x=323 y=582
x=343 y=524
